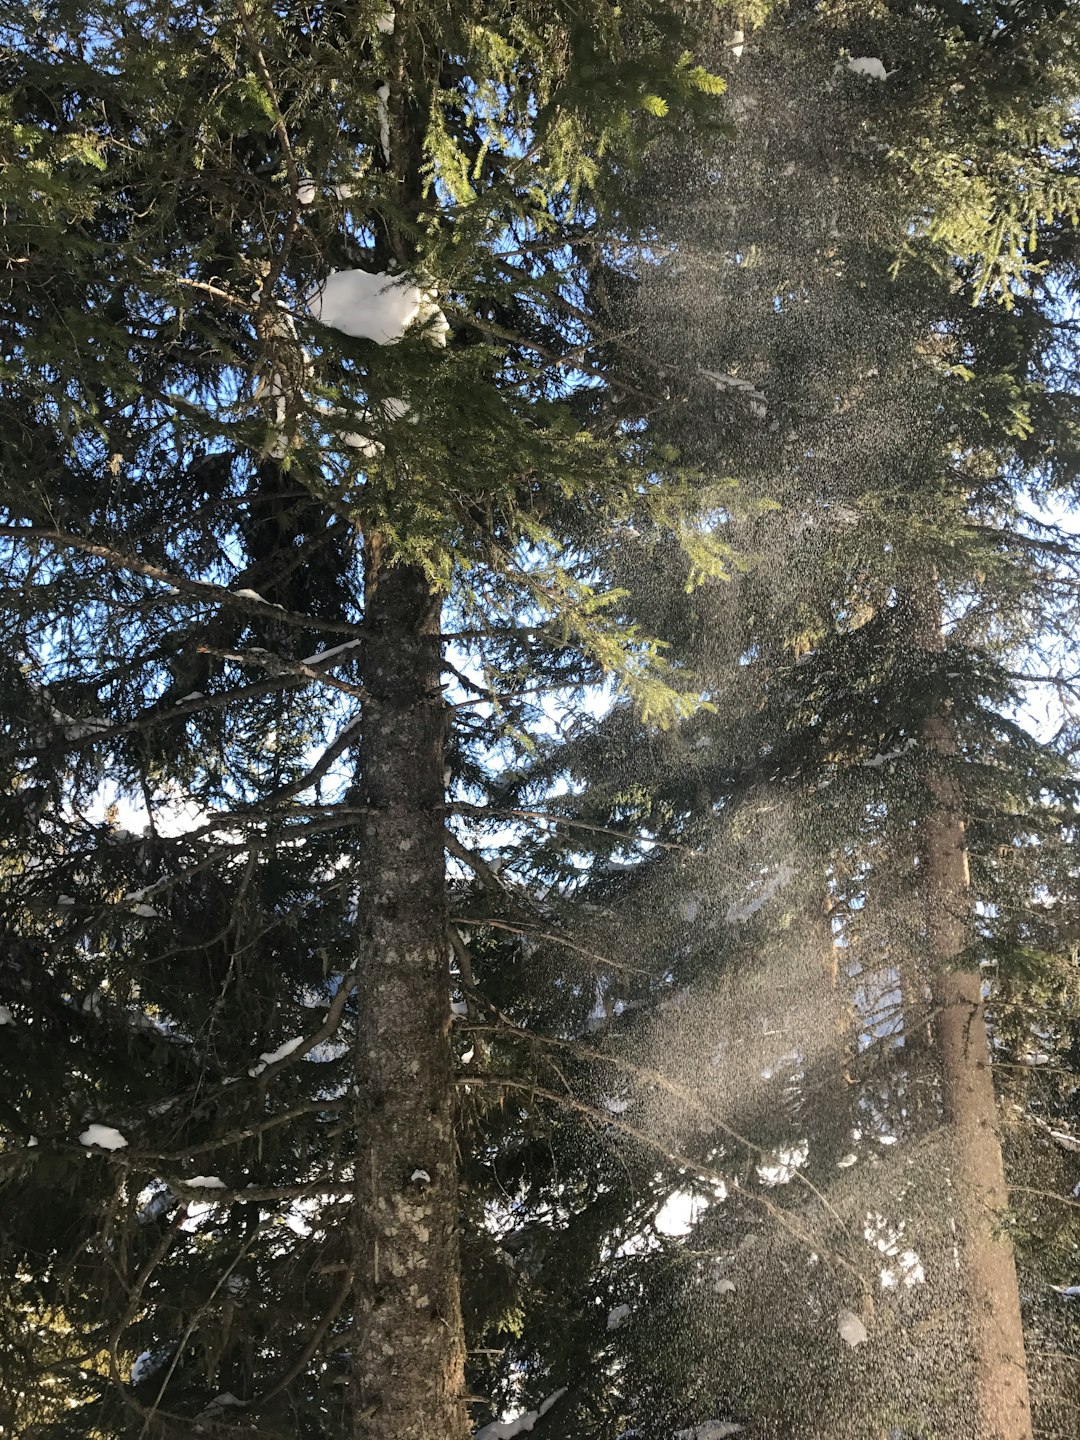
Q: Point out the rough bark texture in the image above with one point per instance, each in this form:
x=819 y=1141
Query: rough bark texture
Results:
x=409 y=1351
x=1001 y=1401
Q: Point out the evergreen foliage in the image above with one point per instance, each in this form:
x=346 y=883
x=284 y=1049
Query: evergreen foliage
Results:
x=753 y=360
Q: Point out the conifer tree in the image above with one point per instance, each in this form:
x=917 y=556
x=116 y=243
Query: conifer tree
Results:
x=903 y=355
x=293 y=335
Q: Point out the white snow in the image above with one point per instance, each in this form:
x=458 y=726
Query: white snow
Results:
x=851 y=1329
x=146 y=912
x=369 y=449
x=6 y=1017
x=908 y=1271
x=385 y=23
x=104 y=1136
x=735 y=382
x=156 y=1204
x=736 y=914
x=724 y=1286
x=507 y=1429
x=468 y=1055
x=220 y=1402
x=875 y=762
x=787 y=1163
x=305 y=193
x=679 y=1213
x=383 y=102
x=1066 y=1141
x=614 y=1106
x=1071 y=1292
x=148 y=1362
x=420 y=1177
x=64 y=900
x=617 y=1316
x=319 y=658
x=206 y=1182
x=709 y=1430
x=846 y=1161
x=869 y=66
x=738 y=40
x=377 y=307
x=269 y=1057
x=89 y=726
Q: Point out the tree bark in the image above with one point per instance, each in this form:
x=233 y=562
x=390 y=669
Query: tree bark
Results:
x=1001 y=1400
x=408 y=1358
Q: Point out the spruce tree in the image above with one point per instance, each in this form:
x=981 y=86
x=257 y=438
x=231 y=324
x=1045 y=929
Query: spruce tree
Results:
x=902 y=353
x=292 y=349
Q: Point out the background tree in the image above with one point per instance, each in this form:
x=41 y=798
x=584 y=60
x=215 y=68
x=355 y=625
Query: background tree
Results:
x=904 y=431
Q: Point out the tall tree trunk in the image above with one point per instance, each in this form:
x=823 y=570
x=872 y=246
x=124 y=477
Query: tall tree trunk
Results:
x=408 y=1361
x=1001 y=1400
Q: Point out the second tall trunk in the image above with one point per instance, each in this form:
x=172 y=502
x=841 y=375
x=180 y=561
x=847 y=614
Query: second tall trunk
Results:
x=1000 y=1402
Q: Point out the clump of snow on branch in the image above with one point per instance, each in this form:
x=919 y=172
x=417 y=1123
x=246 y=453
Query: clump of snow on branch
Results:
x=869 y=66
x=507 y=1429
x=383 y=100
x=270 y=1057
x=736 y=914
x=906 y=1268
x=785 y=1165
x=104 y=1136
x=851 y=1329
x=205 y=1182
x=149 y=1363
x=756 y=397
x=154 y=1204
x=376 y=307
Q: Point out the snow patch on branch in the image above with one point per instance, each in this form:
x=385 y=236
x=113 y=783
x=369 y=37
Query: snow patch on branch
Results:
x=851 y=1329
x=104 y=1136
x=786 y=1165
x=736 y=914
x=377 y=307
x=383 y=102
x=271 y=1057
x=869 y=66
x=507 y=1429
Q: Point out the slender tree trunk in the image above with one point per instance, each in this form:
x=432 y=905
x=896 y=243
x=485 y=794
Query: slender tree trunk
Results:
x=1001 y=1401
x=409 y=1351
